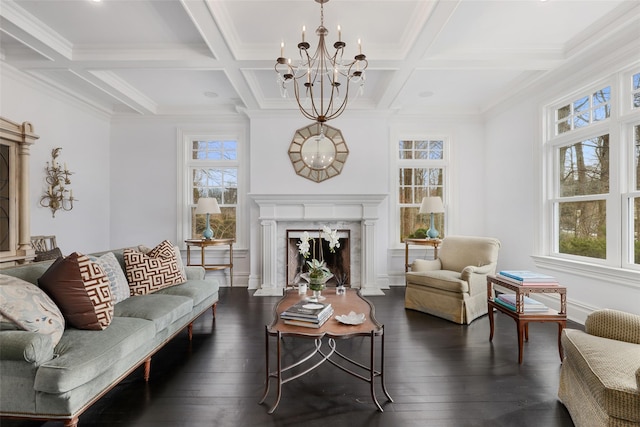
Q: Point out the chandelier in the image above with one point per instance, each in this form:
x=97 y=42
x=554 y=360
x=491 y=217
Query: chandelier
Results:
x=319 y=78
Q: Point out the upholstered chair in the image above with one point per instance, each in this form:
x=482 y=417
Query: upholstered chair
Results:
x=453 y=286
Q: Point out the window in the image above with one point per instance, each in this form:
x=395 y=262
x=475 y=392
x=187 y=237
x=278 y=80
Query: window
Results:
x=210 y=164
x=214 y=173
x=421 y=173
x=587 y=139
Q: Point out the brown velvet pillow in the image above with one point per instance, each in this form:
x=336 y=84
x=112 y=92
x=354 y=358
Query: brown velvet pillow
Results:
x=80 y=288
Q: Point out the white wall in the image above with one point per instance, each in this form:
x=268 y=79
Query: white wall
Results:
x=83 y=134
x=513 y=194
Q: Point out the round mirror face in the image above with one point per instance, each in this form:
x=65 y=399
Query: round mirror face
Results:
x=318 y=152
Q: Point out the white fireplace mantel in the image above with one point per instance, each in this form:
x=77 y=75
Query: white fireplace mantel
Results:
x=277 y=208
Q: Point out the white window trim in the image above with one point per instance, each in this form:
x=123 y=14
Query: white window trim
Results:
x=622 y=116
x=230 y=131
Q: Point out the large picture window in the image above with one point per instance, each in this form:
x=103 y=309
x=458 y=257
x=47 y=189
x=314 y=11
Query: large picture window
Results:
x=421 y=173
x=592 y=151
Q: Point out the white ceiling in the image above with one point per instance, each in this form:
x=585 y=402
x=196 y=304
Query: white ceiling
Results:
x=152 y=57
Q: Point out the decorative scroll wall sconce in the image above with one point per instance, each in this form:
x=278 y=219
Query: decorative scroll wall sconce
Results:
x=57 y=195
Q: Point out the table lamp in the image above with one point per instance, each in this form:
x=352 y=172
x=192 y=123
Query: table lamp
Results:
x=207 y=205
x=431 y=205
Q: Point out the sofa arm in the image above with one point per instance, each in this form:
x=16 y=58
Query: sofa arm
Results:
x=426 y=265
x=194 y=272
x=26 y=346
x=614 y=324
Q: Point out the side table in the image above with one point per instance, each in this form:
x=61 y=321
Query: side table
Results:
x=202 y=244
x=523 y=319
x=434 y=243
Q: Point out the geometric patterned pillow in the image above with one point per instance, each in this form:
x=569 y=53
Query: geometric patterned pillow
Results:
x=80 y=288
x=25 y=306
x=148 y=273
x=117 y=280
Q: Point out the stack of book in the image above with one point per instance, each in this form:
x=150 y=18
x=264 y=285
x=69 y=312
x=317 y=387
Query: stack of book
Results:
x=530 y=305
x=308 y=314
x=529 y=278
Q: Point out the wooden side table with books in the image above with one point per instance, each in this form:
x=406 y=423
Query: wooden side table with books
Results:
x=518 y=313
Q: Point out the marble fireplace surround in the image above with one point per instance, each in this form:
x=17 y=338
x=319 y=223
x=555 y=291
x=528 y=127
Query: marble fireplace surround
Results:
x=358 y=213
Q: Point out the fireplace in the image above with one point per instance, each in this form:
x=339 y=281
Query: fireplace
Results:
x=359 y=214
x=338 y=262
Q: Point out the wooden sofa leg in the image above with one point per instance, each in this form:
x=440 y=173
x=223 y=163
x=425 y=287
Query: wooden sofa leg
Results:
x=147 y=369
x=190 y=331
x=73 y=422
x=213 y=309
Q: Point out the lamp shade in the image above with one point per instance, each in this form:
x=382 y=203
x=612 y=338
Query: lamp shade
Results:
x=207 y=205
x=431 y=205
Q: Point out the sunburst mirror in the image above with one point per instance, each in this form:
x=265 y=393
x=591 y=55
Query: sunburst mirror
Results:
x=318 y=152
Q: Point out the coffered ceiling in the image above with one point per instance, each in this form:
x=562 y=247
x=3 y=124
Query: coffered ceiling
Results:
x=154 y=57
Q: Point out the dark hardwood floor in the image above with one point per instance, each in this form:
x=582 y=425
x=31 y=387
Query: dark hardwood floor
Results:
x=438 y=373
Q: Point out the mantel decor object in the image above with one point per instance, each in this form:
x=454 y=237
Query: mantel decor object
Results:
x=318 y=152
x=57 y=196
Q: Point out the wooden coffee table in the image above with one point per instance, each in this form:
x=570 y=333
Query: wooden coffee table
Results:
x=325 y=349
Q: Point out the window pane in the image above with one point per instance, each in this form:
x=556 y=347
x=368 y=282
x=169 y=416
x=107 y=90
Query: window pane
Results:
x=223 y=224
x=635 y=80
x=582 y=229
x=584 y=167
x=581 y=104
x=405 y=148
x=636 y=139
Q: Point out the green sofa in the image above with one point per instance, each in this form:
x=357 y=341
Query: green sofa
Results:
x=40 y=381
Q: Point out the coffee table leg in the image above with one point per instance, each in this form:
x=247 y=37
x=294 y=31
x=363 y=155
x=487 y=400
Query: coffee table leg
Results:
x=278 y=373
x=372 y=372
x=384 y=386
x=266 y=356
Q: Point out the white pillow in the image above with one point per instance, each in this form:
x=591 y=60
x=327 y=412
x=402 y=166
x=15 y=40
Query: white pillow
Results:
x=25 y=306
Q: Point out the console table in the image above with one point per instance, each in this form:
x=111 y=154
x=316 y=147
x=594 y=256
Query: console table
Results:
x=434 y=243
x=204 y=243
x=523 y=319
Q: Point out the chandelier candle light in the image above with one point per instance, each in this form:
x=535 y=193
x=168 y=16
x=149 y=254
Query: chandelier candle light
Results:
x=320 y=76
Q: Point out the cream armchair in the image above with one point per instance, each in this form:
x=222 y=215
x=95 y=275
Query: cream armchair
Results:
x=453 y=286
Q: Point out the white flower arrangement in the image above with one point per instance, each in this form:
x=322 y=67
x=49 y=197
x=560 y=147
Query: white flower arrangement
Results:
x=318 y=267
x=331 y=236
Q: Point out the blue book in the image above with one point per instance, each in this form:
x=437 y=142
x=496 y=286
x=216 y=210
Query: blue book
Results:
x=530 y=305
x=528 y=276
